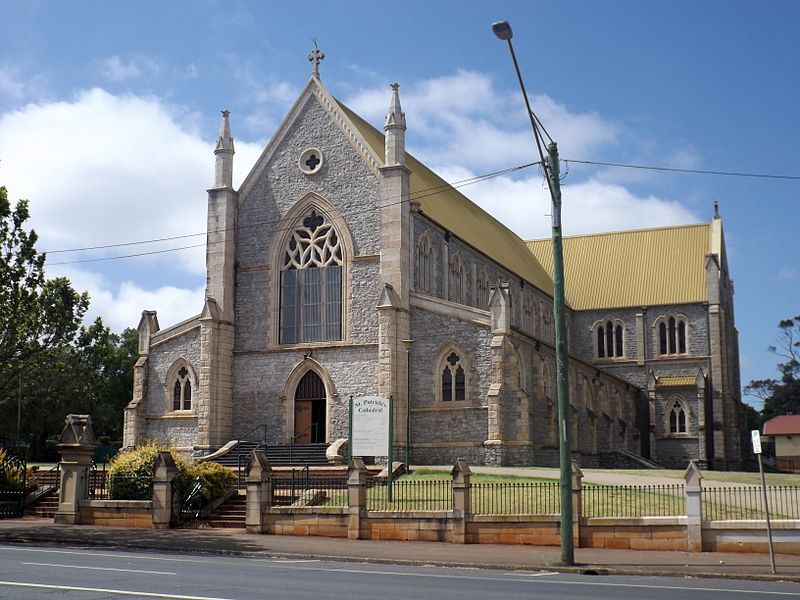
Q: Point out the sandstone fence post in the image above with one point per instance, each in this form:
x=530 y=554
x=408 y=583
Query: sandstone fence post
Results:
x=77 y=445
x=356 y=497
x=259 y=491
x=577 y=503
x=164 y=472
x=461 y=501
x=694 y=507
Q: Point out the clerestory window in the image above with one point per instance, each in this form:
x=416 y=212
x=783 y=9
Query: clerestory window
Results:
x=311 y=283
x=609 y=339
x=672 y=336
x=425 y=269
x=458 y=280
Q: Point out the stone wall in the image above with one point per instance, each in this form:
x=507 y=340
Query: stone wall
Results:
x=261 y=379
x=117 y=513
x=161 y=423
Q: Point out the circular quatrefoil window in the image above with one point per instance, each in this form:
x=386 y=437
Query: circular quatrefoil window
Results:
x=310 y=161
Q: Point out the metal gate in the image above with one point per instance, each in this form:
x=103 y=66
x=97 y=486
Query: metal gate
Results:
x=12 y=487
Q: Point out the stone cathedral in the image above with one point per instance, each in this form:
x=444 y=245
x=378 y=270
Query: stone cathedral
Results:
x=342 y=267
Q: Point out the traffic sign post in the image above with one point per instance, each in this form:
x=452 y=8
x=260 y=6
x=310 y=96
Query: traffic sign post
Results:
x=756 y=438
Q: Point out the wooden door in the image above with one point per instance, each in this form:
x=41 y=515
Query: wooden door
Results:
x=310 y=403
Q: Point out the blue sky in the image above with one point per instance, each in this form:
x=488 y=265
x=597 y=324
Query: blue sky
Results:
x=109 y=112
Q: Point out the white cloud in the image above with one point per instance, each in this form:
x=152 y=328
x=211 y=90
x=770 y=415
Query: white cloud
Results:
x=121 y=305
x=10 y=84
x=115 y=68
x=787 y=273
x=462 y=119
x=523 y=204
x=15 y=86
x=104 y=169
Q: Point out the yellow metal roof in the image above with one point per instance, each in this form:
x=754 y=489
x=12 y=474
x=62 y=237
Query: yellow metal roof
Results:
x=676 y=381
x=459 y=215
x=643 y=267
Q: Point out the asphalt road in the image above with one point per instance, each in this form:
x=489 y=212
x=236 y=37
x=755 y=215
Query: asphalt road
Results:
x=28 y=571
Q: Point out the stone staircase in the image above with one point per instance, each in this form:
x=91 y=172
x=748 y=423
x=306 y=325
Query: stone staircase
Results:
x=230 y=514
x=297 y=455
x=44 y=507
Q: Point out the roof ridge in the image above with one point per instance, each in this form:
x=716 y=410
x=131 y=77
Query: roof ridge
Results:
x=623 y=232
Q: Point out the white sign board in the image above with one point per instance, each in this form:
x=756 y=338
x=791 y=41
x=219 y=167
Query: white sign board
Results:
x=370 y=433
x=756 y=441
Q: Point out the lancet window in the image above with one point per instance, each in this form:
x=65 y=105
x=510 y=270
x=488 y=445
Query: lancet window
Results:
x=458 y=280
x=453 y=379
x=425 y=271
x=609 y=336
x=672 y=336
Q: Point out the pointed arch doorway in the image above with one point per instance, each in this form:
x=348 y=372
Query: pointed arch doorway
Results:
x=310 y=408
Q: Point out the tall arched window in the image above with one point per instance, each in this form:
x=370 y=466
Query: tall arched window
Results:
x=672 y=336
x=527 y=314
x=311 y=283
x=453 y=378
x=546 y=382
x=609 y=338
x=482 y=288
x=677 y=417
x=182 y=391
x=458 y=280
x=425 y=271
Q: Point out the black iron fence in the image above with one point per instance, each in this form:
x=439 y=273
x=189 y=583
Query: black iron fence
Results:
x=515 y=498
x=410 y=495
x=13 y=473
x=103 y=485
x=747 y=502
x=306 y=490
x=632 y=500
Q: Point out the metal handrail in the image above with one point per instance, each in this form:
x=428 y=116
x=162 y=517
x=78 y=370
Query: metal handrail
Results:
x=312 y=426
x=263 y=427
x=41 y=490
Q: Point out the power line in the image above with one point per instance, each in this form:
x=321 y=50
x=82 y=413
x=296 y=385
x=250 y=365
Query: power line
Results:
x=88 y=260
x=679 y=170
x=427 y=192
x=420 y=194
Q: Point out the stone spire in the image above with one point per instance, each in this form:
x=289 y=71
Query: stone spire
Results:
x=223 y=173
x=395 y=128
x=315 y=57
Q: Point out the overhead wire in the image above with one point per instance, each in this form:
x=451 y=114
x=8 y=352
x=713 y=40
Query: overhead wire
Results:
x=420 y=194
x=412 y=197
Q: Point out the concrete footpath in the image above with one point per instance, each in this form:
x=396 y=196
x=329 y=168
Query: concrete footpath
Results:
x=491 y=556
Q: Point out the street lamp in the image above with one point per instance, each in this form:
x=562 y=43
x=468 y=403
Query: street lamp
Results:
x=502 y=29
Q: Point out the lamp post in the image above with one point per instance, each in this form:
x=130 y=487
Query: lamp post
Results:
x=407 y=344
x=502 y=29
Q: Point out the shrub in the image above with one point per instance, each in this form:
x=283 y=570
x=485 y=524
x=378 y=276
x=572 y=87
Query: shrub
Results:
x=131 y=472
x=214 y=480
x=12 y=475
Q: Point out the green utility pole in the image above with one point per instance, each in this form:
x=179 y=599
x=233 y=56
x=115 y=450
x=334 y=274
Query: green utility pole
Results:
x=502 y=29
x=562 y=359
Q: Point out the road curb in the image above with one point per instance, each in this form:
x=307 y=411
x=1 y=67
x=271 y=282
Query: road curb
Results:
x=580 y=569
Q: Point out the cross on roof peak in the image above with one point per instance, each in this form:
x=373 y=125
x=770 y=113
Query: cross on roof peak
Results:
x=315 y=57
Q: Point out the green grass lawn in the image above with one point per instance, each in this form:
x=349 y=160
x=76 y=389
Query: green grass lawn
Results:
x=430 y=489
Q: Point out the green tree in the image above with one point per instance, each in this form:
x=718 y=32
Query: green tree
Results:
x=93 y=375
x=781 y=396
x=38 y=314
